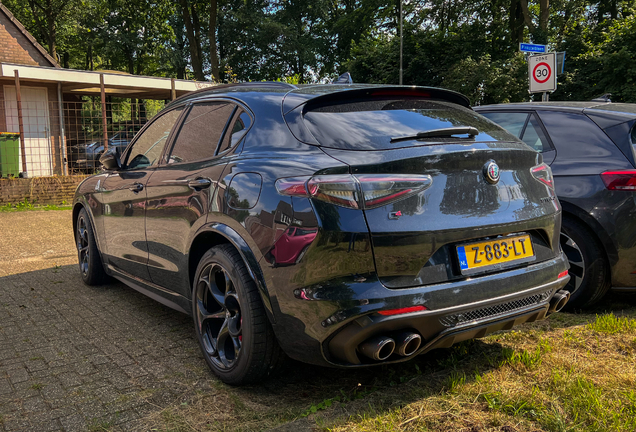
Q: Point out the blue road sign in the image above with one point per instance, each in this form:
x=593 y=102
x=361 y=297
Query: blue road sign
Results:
x=526 y=47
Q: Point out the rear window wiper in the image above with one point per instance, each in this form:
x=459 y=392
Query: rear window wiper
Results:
x=440 y=133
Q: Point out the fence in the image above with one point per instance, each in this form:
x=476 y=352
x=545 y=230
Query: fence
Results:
x=49 y=139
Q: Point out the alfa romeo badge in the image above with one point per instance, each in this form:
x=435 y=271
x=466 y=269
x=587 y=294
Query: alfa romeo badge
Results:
x=491 y=172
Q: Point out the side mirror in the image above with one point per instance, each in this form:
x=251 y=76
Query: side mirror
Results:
x=111 y=159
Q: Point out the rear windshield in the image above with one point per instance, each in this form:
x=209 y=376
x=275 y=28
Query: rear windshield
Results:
x=370 y=125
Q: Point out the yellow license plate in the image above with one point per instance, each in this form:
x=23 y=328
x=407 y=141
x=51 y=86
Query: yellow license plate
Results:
x=493 y=254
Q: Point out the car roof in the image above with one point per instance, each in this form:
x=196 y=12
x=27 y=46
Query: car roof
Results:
x=626 y=108
x=614 y=112
x=245 y=91
x=557 y=105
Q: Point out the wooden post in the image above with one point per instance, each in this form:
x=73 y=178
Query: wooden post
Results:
x=18 y=97
x=103 y=91
x=173 y=92
x=60 y=104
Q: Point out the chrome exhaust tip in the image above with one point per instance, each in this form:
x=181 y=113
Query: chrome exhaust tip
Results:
x=377 y=348
x=558 y=301
x=407 y=343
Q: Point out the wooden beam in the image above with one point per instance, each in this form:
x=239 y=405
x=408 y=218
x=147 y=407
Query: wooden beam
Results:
x=103 y=91
x=18 y=97
x=60 y=105
x=173 y=91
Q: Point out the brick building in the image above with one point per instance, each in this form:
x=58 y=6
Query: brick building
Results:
x=42 y=138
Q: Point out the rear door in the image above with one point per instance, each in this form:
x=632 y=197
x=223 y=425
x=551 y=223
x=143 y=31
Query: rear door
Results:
x=181 y=190
x=124 y=198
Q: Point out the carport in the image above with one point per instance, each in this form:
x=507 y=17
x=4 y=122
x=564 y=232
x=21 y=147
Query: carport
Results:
x=49 y=108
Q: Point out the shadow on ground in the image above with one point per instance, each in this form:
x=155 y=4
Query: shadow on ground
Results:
x=74 y=357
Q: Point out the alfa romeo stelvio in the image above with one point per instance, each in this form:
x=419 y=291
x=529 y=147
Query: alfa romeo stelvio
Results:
x=341 y=225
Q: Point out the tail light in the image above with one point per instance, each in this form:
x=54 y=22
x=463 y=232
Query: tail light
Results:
x=355 y=191
x=620 y=180
x=543 y=173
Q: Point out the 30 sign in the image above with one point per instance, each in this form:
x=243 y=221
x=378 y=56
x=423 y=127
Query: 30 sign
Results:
x=542 y=72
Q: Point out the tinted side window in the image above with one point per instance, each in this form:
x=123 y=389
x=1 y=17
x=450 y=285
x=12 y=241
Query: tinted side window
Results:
x=236 y=131
x=513 y=122
x=533 y=135
x=147 y=150
x=582 y=147
x=201 y=131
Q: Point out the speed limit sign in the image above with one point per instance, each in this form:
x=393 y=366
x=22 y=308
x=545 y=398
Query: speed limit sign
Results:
x=542 y=72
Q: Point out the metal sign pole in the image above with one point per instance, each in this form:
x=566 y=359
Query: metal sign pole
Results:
x=401 y=43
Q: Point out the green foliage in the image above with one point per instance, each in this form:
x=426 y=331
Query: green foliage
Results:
x=470 y=46
x=26 y=205
x=609 y=323
x=530 y=360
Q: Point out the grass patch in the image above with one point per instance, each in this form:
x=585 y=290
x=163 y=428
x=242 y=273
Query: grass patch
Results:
x=99 y=425
x=37 y=386
x=572 y=372
x=612 y=324
x=26 y=206
x=581 y=378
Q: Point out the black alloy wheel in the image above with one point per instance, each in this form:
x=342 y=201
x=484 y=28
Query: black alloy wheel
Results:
x=219 y=316
x=589 y=269
x=83 y=249
x=234 y=334
x=577 y=262
x=90 y=262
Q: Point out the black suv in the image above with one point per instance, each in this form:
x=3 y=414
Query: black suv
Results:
x=416 y=223
x=590 y=148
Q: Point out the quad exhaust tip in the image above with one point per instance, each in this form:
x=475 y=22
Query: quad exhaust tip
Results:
x=558 y=301
x=407 y=343
x=378 y=348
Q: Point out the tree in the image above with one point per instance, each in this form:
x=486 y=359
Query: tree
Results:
x=45 y=17
x=538 y=31
x=190 y=18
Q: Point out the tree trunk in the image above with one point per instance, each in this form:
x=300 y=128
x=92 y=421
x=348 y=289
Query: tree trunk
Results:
x=194 y=52
x=539 y=34
x=50 y=21
x=544 y=15
x=516 y=22
x=196 y=25
x=214 y=57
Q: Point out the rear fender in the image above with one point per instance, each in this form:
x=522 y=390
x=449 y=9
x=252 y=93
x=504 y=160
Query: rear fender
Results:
x=248 y=256
x=571 y=210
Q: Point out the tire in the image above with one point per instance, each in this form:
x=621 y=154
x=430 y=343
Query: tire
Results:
x=90 y=262
x=235 y=336
x=589 y=268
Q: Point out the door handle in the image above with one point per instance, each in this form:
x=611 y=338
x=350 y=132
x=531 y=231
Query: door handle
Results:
x=136 y=187
x=200 y=183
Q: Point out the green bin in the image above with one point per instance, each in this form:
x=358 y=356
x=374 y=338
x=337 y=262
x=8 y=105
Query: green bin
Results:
x=9 y=154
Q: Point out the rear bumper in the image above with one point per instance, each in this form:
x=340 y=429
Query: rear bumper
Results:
x=445 y=327
x=324 y=323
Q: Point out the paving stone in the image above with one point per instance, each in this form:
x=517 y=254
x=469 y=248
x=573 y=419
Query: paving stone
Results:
x=74 y=422
x=72 y=356
x=18 y=375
